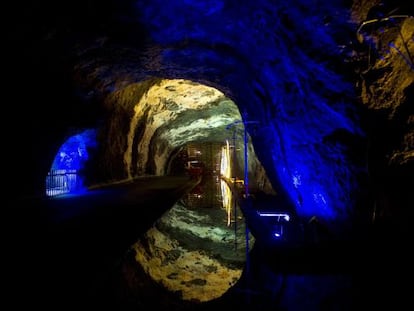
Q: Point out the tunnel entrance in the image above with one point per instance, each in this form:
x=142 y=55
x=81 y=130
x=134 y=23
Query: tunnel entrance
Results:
x=65 y=175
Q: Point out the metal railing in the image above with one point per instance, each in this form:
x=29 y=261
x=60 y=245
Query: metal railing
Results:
x=61 y=181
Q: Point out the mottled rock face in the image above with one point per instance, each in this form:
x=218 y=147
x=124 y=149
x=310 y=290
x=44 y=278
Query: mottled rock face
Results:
x=193 y=252
x=174 y=112
x=386 y=87
x=148 y=125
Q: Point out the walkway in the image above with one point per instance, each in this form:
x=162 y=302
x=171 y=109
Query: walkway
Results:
x=64 y=250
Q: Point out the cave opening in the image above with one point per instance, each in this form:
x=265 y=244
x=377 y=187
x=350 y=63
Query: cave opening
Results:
x=66 y=174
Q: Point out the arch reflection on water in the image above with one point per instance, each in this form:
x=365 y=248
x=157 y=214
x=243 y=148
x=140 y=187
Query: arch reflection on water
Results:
x=197 y=249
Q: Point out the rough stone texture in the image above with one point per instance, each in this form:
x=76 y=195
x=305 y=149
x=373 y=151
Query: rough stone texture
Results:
x=192 y=253
x=146 y=126
x=387 y=90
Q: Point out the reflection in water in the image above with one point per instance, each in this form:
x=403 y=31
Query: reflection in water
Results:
x=227 y=199
x=194 y=250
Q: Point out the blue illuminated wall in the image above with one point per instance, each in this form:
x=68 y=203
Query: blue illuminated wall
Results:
x=66 y=171
x=285 y=62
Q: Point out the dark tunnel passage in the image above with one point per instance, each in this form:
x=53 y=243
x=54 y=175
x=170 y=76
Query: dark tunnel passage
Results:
x=124 y=115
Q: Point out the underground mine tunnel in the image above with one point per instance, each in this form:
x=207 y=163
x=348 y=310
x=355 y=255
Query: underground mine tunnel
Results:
x=190 y=155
